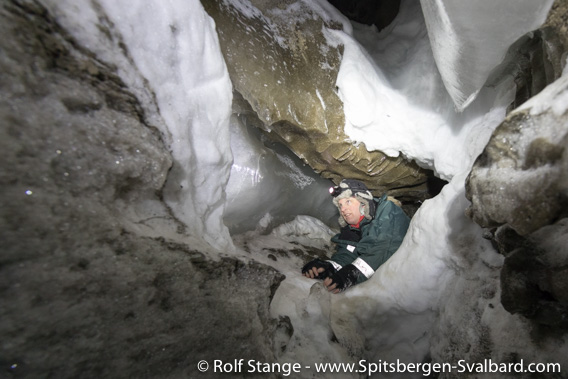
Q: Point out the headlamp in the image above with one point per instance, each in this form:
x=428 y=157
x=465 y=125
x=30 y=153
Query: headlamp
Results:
x=335 y=191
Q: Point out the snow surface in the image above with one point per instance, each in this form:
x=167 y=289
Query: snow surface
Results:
x=395 y=101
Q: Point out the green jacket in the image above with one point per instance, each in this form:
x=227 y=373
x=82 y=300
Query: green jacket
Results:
x=374 y=242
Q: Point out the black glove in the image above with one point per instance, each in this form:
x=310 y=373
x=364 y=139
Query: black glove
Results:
x=345 y=278
x=349 y=234
x=318 y=263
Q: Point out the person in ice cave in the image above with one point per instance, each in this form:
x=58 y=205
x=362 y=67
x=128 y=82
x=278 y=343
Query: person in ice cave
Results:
x=372 y=229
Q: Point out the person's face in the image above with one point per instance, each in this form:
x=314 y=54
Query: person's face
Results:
x=349 y=210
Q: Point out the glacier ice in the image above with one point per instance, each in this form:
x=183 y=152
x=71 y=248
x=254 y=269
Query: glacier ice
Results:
x=269 y=185
x=156 y=49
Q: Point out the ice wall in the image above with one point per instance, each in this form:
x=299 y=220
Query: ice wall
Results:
x=470 y=38
x=269 y=185
x=156 y=48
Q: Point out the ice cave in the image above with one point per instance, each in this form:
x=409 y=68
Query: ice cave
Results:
x=165 y=172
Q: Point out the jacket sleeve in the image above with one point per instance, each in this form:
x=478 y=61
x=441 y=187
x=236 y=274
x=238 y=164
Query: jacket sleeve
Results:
x=381 y=240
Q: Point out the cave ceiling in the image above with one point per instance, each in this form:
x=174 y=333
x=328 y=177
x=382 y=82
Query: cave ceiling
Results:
x=285 y=68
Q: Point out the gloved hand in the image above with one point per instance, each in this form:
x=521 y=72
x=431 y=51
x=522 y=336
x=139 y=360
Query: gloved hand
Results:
x=342 y=279
x=318 y=268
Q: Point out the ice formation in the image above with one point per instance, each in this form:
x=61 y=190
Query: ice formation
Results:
x=269 y=185
x=399 y=88
x=191 y=107
x=470 y=38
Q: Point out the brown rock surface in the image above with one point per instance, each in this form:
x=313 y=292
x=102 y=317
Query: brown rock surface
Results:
x=287 y=72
